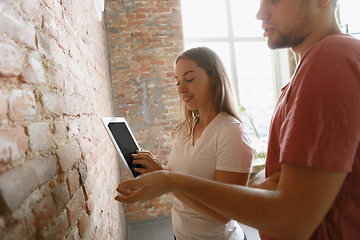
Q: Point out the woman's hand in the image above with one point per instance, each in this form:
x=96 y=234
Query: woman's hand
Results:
x=147 y=160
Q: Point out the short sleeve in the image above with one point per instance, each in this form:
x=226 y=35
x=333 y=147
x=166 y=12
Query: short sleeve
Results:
x=234 y=152
x=322 y=128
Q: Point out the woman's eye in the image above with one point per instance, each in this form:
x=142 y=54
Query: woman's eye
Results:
x=177 y=84
x=190 y=80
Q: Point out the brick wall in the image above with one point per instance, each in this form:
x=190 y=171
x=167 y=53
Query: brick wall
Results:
x=144 y=38
x=58 y=169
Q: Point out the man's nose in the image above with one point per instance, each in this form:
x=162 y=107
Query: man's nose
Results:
x=263 y=12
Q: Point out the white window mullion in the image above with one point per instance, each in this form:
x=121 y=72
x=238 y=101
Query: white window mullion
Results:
x=233 y=69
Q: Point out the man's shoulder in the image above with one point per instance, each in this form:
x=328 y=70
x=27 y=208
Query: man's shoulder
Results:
x=338 y=43
x=335 y=49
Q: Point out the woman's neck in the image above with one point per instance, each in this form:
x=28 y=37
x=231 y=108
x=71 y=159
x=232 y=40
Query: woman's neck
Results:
x=206 y=118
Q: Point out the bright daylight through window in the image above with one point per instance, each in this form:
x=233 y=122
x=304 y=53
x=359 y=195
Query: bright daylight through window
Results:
x=350 y=17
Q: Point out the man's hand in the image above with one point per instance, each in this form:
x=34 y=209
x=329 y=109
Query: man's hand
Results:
x=145 y=187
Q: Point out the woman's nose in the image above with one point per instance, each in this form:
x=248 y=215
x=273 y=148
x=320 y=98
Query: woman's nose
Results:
x=181 y=87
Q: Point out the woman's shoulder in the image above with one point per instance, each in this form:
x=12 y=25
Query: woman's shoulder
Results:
x=231 y=125
x=226 y=119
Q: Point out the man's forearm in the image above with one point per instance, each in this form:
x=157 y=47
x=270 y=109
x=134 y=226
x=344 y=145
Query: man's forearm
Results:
x=270 y=183
x=248 y=206
x=293 y=211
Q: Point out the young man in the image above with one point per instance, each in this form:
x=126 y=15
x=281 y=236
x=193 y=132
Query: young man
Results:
x=313 y=160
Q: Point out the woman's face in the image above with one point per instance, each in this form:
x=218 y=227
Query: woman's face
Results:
x=194 y=86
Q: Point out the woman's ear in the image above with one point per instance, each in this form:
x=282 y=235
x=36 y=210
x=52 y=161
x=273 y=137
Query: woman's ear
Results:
x=212 y=80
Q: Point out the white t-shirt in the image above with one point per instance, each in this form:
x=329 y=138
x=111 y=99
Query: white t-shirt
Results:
x=223 y=145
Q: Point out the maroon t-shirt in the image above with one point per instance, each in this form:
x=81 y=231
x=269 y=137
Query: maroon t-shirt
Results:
x=316 y=123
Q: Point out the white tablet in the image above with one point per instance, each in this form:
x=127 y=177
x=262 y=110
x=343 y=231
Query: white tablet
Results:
x=123 y=140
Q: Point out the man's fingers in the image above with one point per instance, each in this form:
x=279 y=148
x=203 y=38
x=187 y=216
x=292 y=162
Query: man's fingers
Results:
x=124 y=199
x=126 y=192
x=141 y=194
x=127 y=199
x=150 y=186
x=129 y=184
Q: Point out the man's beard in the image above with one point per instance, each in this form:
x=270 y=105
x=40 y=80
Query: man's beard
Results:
x=296 y=33
x=286 y=40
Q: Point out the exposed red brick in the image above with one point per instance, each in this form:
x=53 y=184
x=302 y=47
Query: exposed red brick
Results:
x=154 y=42
x=73 y=182
x=50 y=4
x=49 y=49
x=32 y=8
x=50 y=24
x=14 y=25
x=86 y=146
x=59 y=132
x=44 y=213
x=90 y=204
x=61 y=197
x=17 y=183
x=59 y=229
x=68 y=155
x=76 y=105
x=14 y=143
x=33 y=71
x=11 y=61
x=22 y=105
x=64 y=39
x=3 y=106
x=53 y=104
x=58 y=10
x=75 y=205
x=55 y=77
x=83 y=224
x=39 y=136
x=15 y=232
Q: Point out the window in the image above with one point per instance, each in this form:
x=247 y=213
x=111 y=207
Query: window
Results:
x=231 y=30
x=350 y=17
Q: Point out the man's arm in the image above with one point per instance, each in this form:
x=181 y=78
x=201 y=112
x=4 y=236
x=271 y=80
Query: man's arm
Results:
x=292 y=211
x=260 y=181
x=220 y=176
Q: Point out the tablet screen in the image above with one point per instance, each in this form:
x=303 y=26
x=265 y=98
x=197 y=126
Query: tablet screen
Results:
x=126 y=144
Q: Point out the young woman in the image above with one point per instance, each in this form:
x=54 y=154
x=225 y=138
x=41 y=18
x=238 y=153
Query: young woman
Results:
x=210 y=143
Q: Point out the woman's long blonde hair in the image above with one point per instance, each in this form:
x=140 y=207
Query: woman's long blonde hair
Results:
x=225 y=99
